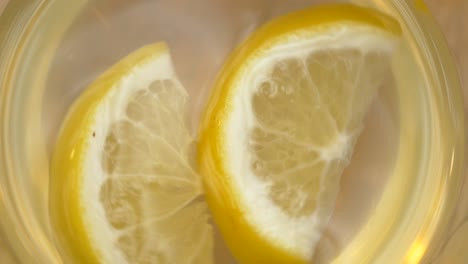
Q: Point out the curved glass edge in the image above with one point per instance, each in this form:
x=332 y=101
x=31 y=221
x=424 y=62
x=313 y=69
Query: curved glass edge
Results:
x=4 y=105
x=426 y=217
x=6 y=253
x=450 y=138
x=450 y=240
x=13 y=20
x=28 y=36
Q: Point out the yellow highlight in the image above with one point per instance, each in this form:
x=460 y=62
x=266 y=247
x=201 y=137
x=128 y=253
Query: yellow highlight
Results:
x=416 y=252
x=72 y=154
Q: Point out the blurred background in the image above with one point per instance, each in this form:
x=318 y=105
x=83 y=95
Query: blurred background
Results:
x=452 y=16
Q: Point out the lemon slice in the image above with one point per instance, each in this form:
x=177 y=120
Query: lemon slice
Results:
x=123 y=189
x=281 y=125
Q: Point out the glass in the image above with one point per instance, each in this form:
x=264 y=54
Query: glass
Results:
x=410 y=213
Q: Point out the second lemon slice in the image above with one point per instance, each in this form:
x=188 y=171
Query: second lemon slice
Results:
x=282 y=123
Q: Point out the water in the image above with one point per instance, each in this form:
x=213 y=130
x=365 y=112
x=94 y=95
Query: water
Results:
x=200 y=35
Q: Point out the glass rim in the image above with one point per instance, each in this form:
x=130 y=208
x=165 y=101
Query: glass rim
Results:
x=20 y=19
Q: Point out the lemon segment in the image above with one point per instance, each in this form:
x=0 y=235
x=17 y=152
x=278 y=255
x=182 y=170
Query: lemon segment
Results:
x=282 y=122
x=123 y=189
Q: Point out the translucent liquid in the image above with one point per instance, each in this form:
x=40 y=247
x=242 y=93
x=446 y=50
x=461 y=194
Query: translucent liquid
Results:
x=200 y=35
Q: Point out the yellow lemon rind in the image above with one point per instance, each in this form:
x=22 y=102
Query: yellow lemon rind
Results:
x=66 y=167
